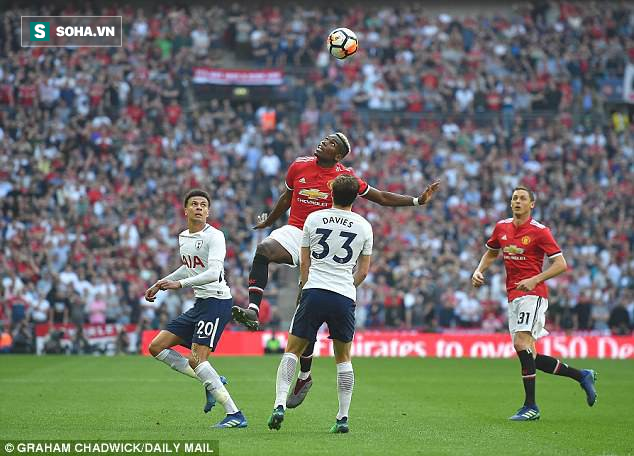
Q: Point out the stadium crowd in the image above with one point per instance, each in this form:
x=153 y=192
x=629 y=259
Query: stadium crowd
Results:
x=99 y=146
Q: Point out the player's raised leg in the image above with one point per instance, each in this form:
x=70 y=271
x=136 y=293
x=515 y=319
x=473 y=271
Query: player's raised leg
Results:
x=345 y=385
x=304 y=380
x=213 y=383
x=523 y=342
x=160 y=348
x=285 y=374
x=585 y=377
x=268 y=251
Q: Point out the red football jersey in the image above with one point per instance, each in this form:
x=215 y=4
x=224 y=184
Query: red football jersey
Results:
x=27 y=94
x=310 y=184
x=524 y=248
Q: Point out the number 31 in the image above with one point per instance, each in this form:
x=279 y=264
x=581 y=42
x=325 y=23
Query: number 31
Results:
x=523 y=318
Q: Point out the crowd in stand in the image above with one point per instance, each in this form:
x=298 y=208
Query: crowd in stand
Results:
x=98 y=146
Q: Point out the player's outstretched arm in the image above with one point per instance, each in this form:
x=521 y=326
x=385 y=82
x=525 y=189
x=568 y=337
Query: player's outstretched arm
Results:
x=477 y=279
x=282 y=205
x=385 y=198
x=150 y=293
x=212 y=274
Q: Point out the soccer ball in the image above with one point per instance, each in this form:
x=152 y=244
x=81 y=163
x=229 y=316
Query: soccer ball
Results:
x=342 y=43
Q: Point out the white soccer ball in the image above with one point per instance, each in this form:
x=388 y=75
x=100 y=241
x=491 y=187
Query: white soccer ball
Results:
x=342 y=43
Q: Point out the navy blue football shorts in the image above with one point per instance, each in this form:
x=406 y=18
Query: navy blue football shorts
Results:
x=202 y=324
x=317 y=306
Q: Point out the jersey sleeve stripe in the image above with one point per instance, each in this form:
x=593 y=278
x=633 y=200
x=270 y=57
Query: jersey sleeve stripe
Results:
x=289 y=188
x=366 y=190
x=491 y=248
x=554 y=255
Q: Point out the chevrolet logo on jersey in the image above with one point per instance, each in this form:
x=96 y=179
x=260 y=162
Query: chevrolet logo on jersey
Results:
x=313 y=193
x=512 y=249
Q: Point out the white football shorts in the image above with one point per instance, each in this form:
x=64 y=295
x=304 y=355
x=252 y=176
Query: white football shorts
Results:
x=290 y=237
x=528 y=313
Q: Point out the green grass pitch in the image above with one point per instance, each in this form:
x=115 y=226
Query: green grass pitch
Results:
x=399 y=406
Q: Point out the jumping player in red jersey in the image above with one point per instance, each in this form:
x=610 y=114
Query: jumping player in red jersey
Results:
x=524 y=242
x=308 y=183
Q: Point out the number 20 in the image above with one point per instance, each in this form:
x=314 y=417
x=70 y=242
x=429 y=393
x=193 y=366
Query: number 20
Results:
x=207 y=329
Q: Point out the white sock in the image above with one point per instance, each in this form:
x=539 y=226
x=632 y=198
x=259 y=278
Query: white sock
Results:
x=285 y=375
x=212 y=382
x=345 y=384
x=176 y=361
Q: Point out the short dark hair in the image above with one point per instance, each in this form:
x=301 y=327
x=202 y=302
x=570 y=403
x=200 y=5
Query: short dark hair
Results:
x=345 y=189
x=531 y=194
x=196 y=192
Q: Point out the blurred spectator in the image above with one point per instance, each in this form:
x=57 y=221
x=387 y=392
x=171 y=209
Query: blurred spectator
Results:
x=59 y=310
x=468 y=309
x=619 y=321
x=275 y=320
x=53 y=344
x=23 y=338
x=375 y=316
x=97 y=310
x=76 y=312
x=143 y=326
x=600 y=316
x=122 y=343
x=273 y=345
x=6 y=340
x=80 y=345
x=492 y=323
x=40 y=309
x=447 y=314
x=270 y=164
x=583 y=312
x=409 y=301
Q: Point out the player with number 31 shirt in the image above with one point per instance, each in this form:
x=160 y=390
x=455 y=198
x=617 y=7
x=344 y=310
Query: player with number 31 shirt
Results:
x=524 y=243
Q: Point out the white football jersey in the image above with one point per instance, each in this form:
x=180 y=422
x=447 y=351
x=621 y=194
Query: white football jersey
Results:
x=200 y=250
x=336 y=239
